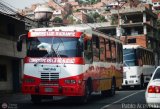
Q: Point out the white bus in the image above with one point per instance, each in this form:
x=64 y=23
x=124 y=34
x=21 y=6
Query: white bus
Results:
x=138 y=65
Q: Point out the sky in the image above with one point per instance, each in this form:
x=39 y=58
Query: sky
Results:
x=21 y=4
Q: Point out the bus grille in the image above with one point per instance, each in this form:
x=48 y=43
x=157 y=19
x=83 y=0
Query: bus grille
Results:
x=50 y=78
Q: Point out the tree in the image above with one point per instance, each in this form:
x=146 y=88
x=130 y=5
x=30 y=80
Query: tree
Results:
x=92 y=1
x=101 y=19
x=114 y=20
x=95 y=17
x=90 y=19
x=57 y=20
x=71 y=19
x=78 y=22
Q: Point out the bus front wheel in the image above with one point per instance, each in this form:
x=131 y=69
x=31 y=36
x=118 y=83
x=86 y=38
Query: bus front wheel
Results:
x=113 y=87
x=141 y=86
x=84 y=99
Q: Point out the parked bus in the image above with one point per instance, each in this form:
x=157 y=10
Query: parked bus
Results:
x=139 y=64
x=70 y=61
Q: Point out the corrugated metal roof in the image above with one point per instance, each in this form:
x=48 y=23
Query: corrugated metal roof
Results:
x=6 y=9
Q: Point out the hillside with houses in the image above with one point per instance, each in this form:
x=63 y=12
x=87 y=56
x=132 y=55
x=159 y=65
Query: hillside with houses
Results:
x=84 y=11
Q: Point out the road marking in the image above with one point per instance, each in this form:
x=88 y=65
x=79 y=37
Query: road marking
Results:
x=121 y=99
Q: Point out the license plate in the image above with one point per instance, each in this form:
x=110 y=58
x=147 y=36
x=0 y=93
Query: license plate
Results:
x=131 y=81
x=48 y=89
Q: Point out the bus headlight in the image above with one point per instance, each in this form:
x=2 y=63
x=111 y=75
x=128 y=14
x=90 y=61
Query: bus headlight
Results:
x=70 y=81
x=79 y=81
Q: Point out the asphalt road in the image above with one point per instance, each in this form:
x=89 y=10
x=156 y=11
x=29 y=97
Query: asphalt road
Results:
x=124 y=99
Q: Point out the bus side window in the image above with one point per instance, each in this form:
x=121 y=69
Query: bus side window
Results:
x=141 y=60
x=113 y=48
x=102 y=49
x=153 y=60
x=139 y=57
x=149 y=58
x=88 y=51
x=108 y=50
x=144 y=55
x=119 y=52
x=95 y=46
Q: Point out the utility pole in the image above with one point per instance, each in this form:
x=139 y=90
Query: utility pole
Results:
x=119 y=29
x=118 y=26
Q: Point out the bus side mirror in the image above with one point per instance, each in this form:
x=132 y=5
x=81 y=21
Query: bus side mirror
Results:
x=81 y=42
x=19 y=45
x=19 y=42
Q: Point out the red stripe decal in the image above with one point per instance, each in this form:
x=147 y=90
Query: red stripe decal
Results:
x=75 y=60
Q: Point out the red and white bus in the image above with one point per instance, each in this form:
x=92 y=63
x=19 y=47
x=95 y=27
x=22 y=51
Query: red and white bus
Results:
x=70 y=61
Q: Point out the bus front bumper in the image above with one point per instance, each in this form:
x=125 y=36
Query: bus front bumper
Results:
x=53 y=90
x=130 y=82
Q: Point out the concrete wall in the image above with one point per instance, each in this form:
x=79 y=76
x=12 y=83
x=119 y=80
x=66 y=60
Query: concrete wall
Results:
x=10 y=29
x=6 y=85
x=140 y=40
x=8 y=48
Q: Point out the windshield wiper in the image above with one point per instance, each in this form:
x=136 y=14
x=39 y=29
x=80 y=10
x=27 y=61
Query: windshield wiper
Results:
x=48 y=53
x=57 y=52
x=126 y=64
x=53 y=51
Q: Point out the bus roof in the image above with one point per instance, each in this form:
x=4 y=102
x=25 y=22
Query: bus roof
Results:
x=86 y=29
x=63 y=28
x=135 y=47
x=131 y=46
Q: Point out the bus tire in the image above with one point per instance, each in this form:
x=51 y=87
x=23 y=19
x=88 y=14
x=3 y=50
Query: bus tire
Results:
x=104 y=93
x=113 y=87
x=141 y=86
x=36 y=99
x=125 y=87
x=142 y=82
x=90 y=86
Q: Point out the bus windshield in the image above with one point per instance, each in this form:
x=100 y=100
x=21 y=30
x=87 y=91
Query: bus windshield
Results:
x=129 y=57
x=53 y=47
